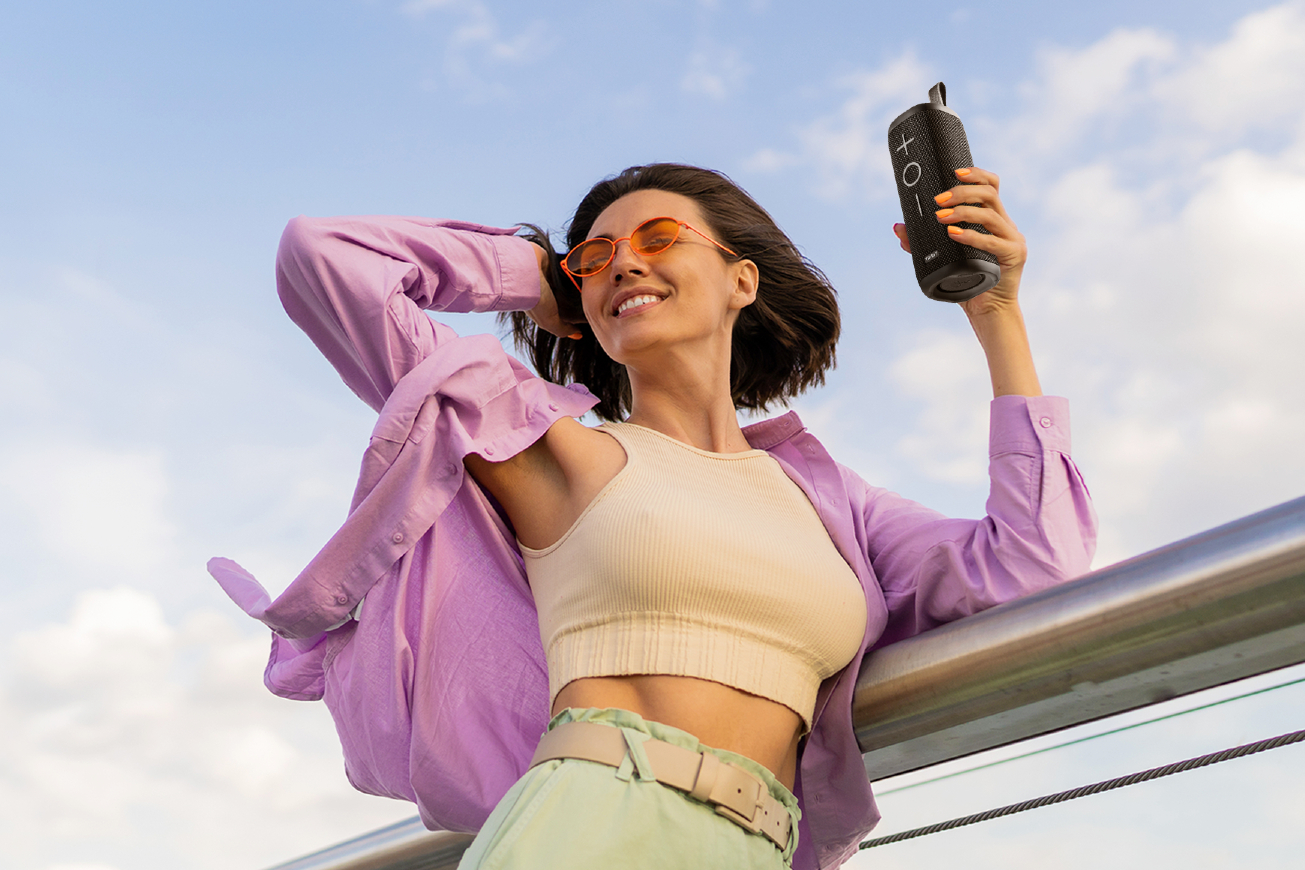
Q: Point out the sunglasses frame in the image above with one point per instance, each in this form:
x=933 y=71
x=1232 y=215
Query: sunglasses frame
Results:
x=679 y=224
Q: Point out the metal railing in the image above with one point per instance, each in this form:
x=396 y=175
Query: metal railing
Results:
x=1216 y=607
x=405 y=845
x=1225 y=604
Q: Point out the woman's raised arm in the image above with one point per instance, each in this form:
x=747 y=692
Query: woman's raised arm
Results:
x=995 y=315
x=358 y=286
x=1040 y=527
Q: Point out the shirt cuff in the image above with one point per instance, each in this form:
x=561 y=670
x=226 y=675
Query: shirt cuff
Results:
x=1028 y=424
x=519 y=274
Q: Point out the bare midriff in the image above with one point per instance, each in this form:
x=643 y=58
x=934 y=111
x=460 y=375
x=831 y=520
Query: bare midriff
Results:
x=718 y=715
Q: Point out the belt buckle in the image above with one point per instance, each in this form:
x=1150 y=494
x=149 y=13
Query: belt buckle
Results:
x=737 y=796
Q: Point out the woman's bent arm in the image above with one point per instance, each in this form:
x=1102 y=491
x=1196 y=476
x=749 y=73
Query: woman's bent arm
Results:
x=358 y=286
x=1040 y=528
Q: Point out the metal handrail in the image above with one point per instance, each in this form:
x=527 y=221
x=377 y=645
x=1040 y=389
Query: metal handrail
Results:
x=1219 y=606
x=1216 y=607
x=405 y=845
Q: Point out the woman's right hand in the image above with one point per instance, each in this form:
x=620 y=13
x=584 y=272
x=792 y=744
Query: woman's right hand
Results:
x=548 y=315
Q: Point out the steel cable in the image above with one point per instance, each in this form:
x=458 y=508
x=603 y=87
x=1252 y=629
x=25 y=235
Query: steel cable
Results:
x=1119 y=730
x=1095 y=788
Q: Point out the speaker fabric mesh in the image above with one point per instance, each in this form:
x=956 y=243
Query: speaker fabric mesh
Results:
x=927 y=146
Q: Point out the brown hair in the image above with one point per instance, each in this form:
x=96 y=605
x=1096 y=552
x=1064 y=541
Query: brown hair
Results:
x=783 y=342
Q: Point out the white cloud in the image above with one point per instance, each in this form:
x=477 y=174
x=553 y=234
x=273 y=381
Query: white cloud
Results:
x=944 y=373
x=1252 y=80
x=24 y=389
x=97 y=508
x=714 y=72
x=1095 y=85
x=848 y=147
x=1156 y=180
x=770 y=160
x=120 y=725
x=478 y=47
x=1164 y=288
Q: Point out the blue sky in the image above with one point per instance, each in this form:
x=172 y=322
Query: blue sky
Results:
x=157 y=408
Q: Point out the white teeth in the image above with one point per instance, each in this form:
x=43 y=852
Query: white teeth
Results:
x=634 y=302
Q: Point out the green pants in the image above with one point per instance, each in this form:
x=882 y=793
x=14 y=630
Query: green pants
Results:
x=581 y=815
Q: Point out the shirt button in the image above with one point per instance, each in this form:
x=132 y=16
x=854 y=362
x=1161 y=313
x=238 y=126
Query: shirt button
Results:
x=450 y=470
x=397 y=537
x=341 y=599
x=553 y=406
x=1045 y=422
x=489 y=451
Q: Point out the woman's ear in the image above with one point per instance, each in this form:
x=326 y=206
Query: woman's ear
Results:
x=746 y=278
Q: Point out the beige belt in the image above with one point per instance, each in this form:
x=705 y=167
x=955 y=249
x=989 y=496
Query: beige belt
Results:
x=735 y=793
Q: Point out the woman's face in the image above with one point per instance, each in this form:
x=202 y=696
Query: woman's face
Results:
x=689 y=293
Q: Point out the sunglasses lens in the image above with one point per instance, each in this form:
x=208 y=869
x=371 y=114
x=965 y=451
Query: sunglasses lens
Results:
x=650 y=237
x=655 y=236
x=590 y=257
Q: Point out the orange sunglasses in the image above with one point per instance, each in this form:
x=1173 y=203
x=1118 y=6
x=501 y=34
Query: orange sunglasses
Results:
x=651 y=237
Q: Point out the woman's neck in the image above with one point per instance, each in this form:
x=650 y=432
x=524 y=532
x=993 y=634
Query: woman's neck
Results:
x=689 y=403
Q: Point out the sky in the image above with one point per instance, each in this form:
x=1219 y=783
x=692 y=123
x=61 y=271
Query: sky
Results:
x=157 y=408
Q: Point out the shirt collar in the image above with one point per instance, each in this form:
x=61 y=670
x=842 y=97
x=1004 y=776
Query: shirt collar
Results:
x=768 y=433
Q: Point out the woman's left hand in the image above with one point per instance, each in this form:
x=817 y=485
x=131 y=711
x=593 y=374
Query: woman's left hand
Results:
x=1003 y=240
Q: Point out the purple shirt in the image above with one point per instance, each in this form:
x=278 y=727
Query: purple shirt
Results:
x=439 y=689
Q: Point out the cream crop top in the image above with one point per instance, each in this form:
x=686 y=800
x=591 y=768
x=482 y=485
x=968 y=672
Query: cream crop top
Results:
x=699 y=564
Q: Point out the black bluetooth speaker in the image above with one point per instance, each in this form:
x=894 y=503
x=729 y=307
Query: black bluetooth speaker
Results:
x=928 y=145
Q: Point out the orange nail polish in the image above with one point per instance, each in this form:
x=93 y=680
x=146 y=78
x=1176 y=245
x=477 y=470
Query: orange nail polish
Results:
x=576 y=335
x=962 y=172
x=955 y=231
x=946 y=212
x=943 y=197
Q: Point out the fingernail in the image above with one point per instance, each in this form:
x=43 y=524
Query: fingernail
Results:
x=576 y=335
x=962 y=172
x=943 y=197
x=896 y=226
x=955 y=231
x=946 y=212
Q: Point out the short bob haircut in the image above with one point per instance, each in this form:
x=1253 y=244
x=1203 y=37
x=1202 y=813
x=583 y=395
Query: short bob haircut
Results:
x=783 y=342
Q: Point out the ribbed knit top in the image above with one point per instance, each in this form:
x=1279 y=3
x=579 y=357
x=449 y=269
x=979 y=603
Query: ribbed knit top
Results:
x=699 y=564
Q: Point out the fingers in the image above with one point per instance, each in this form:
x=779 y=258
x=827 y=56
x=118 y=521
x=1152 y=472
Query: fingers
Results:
x=547 y=317
x=975 y=175
x=987 y=218
x=978 y=186
x=976 y=200
x=1003 y=238
x=899 y=230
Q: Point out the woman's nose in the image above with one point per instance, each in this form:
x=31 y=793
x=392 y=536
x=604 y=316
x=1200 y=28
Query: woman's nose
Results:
x=626 y=261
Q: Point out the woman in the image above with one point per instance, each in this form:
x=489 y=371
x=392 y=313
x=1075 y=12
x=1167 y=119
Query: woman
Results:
x=688 y=601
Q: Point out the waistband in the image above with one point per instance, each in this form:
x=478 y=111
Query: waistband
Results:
x=737 y=787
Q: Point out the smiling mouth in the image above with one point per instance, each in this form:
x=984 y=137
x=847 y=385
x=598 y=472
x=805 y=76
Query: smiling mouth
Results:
x=635 y=302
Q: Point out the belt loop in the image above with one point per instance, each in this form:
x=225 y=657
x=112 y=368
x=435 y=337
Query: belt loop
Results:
x=636 y=754
x=706 y=779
